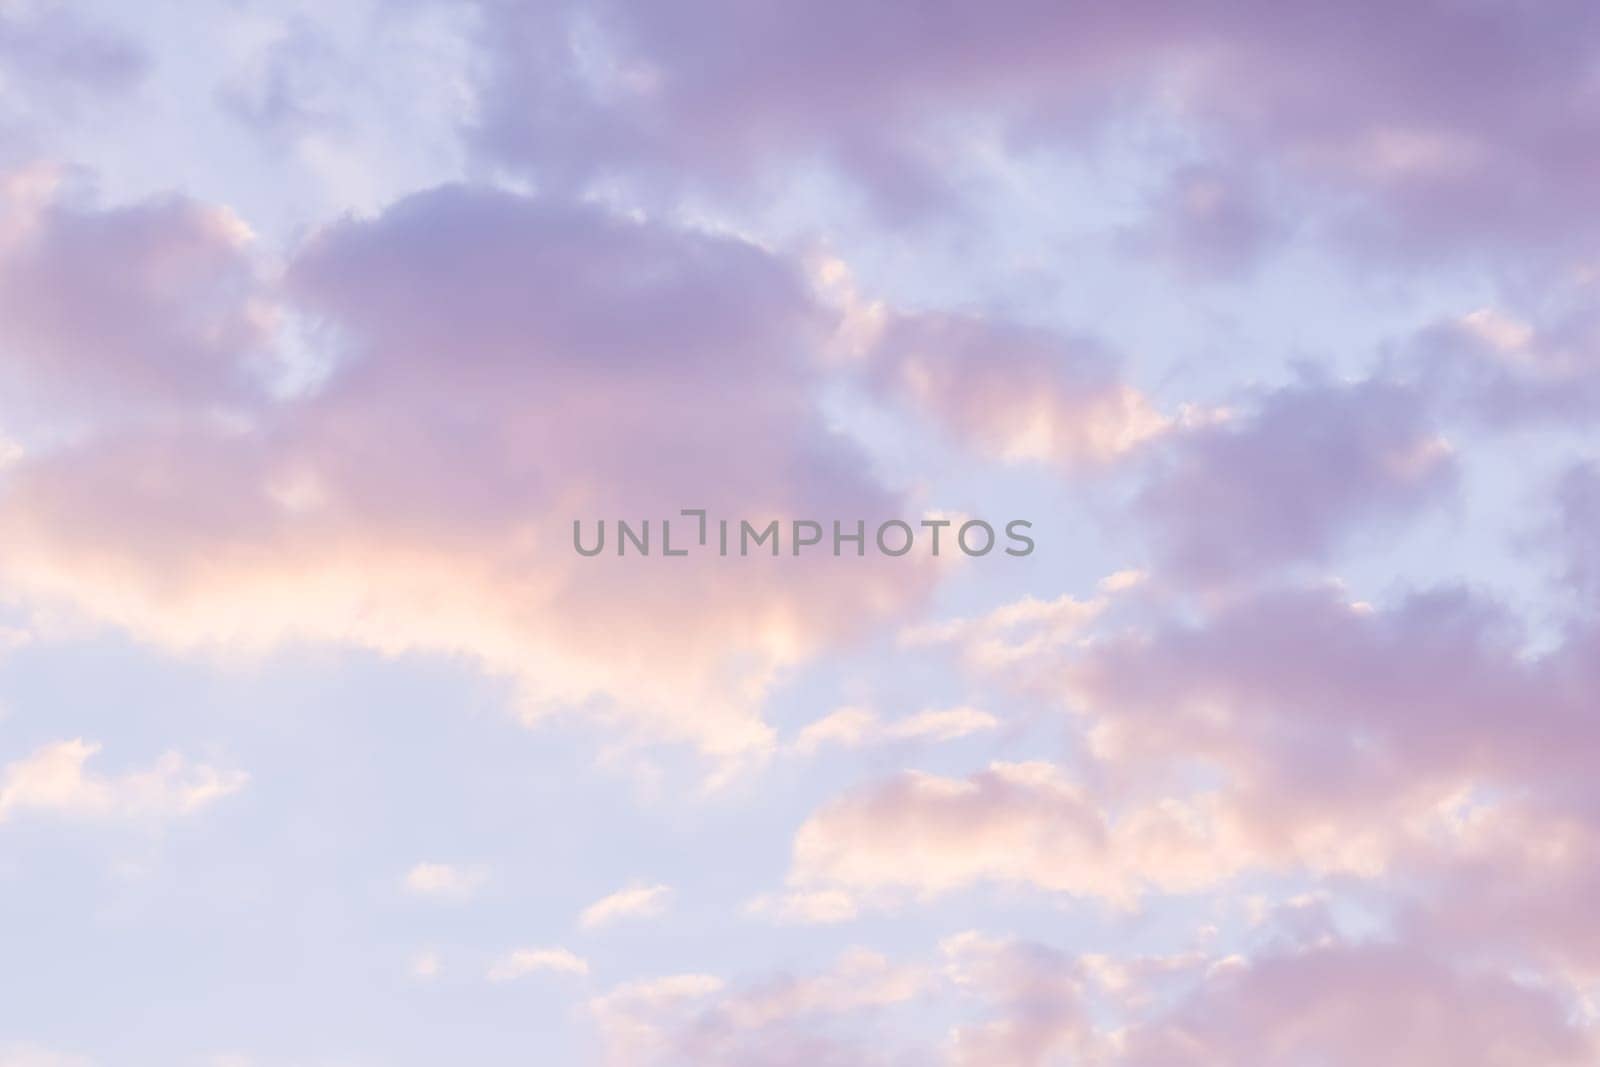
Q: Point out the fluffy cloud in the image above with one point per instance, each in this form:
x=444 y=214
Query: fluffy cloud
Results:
x=54 y=63
x=1299 y=692
x=526 y=961
x=636 y=1018
x=852 y=727
x=1012 y=823
x=1503 y=370
x=787 y=1020
x=1386 y=741
x=1462 y=125
x=1037 y=996
x=444 y=880
x=1298 y=1000
x=1209 y=222
x=55 y=780
x=1010 y=393
x=1013 y=635
x=1576 y=529
x=423 y=498
x=1289 y=482
x=136 y=311
x=1286 y=731
x=1391 y=1006
x=634 y=902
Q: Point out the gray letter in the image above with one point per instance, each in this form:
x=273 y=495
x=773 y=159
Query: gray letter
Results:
x=802 y=542
x=1011 y=533
x=859 y=537
x=936 y=525
x=625 y=534
x=666 y=540
x=910 y=537
x=577 y=542
x=745 y=530
x=701 y=514
x=961 y=537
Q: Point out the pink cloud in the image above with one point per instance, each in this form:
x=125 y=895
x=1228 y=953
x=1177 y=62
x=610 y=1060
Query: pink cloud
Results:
x=1381 y=1005
x=783 y=1020
x=1456 y=124
x=1012 y=393
x=132 y=312
x=918 y=834
x=509 y=365
x=1290 y=481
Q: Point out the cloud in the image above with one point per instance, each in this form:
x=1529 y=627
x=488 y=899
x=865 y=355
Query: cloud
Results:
x=1288 y=731
x=1290 y=482
x=445 y=880
x=847 y=727
x=1011 y=823
x=54 y=780
x=1011 y=393
x=634 y=1017
x=364 y=512
x=942 y=724
x=134 y=312
x=1209 y=222
x=1303 y=690
x=1015 y=633
x=55 y=64
x=783 y=1020
x=851 y=727
x=1577 y=530
x=1039 y=995
x=526 y=961
x=1464 y=127
x=1385 y=1005
x=1296 y=1002
x=1500 y=370
x=634 y=902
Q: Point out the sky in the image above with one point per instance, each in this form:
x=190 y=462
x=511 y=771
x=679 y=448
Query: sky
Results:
x=322 y=323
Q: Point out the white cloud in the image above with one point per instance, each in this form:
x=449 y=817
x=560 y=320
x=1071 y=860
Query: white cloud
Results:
x=54 y=780
x=849 y=727
x=628 y=1002
x=444 y=880
x=696 y=1018
x=635 y=902
x=1018 y=823
x=1017 y=631
x=941 y=724
x=525 y=961
x=852 y=727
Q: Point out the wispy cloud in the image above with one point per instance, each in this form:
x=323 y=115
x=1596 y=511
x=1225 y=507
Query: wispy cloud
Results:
x=445 y=880
x=635 y=902
x=525 y=961
x=56 y=780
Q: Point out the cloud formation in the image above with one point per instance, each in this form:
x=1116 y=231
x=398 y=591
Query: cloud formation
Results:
x=55 y=780
x=526 y=961
x=422 y=498
x=633 y=902
x=1461 y=127
x=445 y=880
